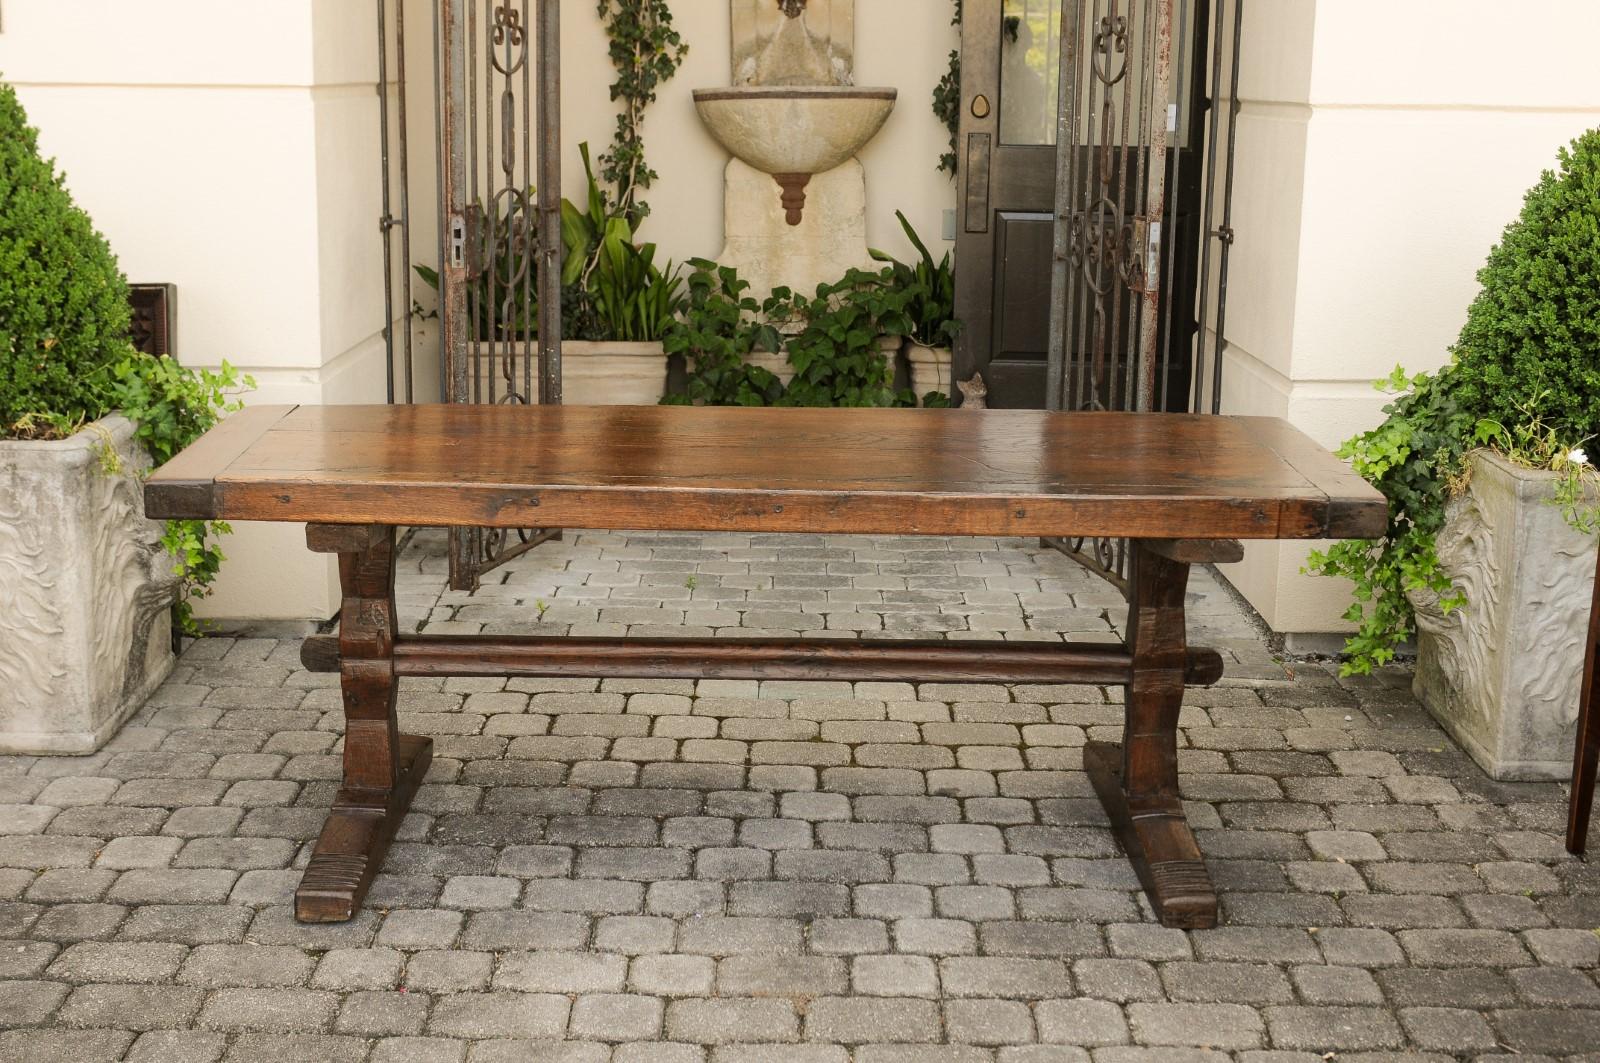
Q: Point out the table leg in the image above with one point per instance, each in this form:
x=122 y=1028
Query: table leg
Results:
x=1138 y=782
x=382 y=767
x=1587 y=757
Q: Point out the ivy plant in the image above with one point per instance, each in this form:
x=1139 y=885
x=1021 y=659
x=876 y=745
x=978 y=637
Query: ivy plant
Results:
x=171 y=407
x=1523 y=380
x=720 y=326
x=947 y=101
x=646 y=52
x=836 y=356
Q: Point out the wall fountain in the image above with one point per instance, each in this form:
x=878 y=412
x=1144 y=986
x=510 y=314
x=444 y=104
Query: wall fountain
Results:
x=795 y=203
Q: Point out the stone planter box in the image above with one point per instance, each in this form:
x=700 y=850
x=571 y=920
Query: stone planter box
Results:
x=85 y=634
x=606 y=372
x=776 y=364
x=1502 y=674
x=930 y=369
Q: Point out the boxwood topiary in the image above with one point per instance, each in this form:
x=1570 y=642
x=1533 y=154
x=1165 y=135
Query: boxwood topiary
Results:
x=1524 y=379
x=1532 y=337
x=63 y=302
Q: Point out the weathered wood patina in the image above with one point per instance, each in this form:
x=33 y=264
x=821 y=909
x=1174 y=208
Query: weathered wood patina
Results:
x=1184 y=489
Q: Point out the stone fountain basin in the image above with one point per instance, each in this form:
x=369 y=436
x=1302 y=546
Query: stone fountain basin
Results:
x=789 y=129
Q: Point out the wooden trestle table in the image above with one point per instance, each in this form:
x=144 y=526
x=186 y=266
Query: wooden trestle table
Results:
x=1184 y=489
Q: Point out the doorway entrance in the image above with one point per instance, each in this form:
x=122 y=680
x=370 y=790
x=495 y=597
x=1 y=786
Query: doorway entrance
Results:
x=1099 y=114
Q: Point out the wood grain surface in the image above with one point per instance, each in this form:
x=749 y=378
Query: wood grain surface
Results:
x=925 y=472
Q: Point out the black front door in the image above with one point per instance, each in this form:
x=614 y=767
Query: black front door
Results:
x=1007 y=172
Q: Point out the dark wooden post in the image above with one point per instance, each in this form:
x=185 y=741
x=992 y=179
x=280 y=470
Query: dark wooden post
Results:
x=1587 y=757
x=1138 y=783
x=382 y=767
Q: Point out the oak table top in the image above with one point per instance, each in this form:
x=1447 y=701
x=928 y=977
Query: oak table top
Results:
x=926 y=472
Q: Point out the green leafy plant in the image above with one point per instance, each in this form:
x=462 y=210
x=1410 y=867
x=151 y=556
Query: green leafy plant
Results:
x=646 y=52
x=836 y=356
x=932 y=286
x=583 y=230
x=721 y=325
x=171 y=407
x=633 y=300
x=1524 y=380
x=1412 y=457
x=947 y=101
x=628 y=297
x=63 y=302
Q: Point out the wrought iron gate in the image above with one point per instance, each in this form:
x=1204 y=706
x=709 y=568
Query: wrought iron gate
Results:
x=496 y=67
x=1130 y=321
x=500 y=285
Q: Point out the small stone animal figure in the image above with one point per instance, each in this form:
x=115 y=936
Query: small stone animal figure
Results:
x=974 y=392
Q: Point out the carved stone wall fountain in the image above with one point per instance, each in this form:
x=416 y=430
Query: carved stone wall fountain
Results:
x=795 y=204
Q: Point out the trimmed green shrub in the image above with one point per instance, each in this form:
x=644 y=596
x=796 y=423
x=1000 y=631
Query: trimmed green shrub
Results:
x=1532 y=337
x=1524 y=380
x=63 y=302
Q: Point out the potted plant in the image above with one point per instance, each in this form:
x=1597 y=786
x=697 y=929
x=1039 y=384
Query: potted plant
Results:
x=85 y=635
x=932 y=312
x=1492 y=498
x=616 y=303
x=622 y=306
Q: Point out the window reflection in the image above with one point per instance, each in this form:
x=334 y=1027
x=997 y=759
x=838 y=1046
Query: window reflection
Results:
x=1030 y=50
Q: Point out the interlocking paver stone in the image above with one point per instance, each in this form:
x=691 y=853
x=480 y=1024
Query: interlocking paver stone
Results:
x=724 y=871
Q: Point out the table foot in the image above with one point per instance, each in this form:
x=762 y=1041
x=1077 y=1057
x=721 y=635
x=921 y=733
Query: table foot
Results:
x=1159 y=844
x=355 y=838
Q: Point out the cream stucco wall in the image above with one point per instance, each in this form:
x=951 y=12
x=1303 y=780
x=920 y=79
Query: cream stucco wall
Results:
x=232 y=152
x=1383 y=145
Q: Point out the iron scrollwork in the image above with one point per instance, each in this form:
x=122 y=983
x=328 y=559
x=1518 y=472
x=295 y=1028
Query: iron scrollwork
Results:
x=1105 y=249
x=512 y=245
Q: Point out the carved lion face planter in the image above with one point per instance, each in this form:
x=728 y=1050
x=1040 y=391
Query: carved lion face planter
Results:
x=85 y=631
x=1502 y=674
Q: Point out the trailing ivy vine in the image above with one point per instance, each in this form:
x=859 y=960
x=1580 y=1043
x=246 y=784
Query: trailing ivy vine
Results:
x=947 y=101
x=172 y=406
x=647 y=52
x=721 y=326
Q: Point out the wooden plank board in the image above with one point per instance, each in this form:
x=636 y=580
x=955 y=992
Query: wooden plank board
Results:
x=189 y=479
x=932 y=472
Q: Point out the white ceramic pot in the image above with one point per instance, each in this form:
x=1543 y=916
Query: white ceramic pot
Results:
x=930 y=369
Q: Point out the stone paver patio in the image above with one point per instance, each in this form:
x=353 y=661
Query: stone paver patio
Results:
x=655 y=872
